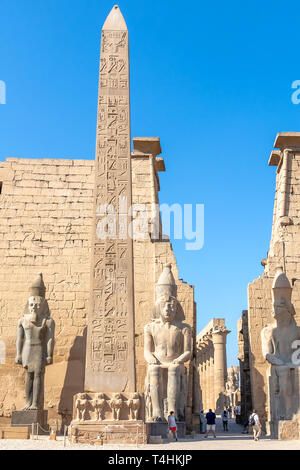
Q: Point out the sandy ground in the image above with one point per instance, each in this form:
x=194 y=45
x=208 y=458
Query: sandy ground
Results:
x=232 y=440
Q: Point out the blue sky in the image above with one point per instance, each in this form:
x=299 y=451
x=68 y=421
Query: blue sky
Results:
x=211 y=79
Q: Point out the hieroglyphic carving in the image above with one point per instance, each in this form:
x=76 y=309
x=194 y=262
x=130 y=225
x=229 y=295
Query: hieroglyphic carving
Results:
x=110 y=354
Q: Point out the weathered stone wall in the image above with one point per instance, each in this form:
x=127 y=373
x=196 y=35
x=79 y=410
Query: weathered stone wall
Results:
x=284 y=251
x=46 y=215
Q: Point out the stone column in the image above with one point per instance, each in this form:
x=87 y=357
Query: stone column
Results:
x=219 y=341
x=206 y=378
x=201 y=377
x=208 y=384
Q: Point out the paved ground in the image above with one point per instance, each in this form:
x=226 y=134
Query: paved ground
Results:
x=231 y=440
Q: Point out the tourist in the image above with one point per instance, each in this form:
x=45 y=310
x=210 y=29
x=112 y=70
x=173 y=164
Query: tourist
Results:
x=211 y=423
x=254 y=421
x=172 y=425
x=202 y=422
x=224 y=417
x=230 y=412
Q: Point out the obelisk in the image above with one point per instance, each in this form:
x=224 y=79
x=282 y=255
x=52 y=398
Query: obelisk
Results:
x=110 y=357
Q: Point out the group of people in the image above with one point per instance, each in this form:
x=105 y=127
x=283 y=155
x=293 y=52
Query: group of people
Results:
x=208 y=422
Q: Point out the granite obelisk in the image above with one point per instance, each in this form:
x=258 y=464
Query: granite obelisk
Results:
x=110 y=357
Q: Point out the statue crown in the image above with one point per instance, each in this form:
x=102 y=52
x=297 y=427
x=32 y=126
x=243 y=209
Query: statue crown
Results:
x=38 y=288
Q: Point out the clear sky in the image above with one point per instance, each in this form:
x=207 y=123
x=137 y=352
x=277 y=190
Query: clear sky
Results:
x=211 y=79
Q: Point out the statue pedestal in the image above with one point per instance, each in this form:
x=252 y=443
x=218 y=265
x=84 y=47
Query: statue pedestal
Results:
x=288 y=430
x=161 y=429
x=108 y=432
x=196 y=424
x=28 y=417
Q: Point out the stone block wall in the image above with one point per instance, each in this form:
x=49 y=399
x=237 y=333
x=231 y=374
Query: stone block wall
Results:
x=45 y=226
x=46 y=217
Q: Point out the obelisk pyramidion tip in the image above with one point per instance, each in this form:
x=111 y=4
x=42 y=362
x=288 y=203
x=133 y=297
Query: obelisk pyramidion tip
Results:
x=115 y=21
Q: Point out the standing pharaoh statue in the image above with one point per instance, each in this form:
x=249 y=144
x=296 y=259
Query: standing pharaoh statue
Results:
x=168 y=345
x=232 y=386
x=279 y=341
x=35 y=342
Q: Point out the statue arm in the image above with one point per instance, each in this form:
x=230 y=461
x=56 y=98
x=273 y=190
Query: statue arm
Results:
x=20 y=339
x=148 y=355
x=187 y=347
x=268 y=348
x=50 y=340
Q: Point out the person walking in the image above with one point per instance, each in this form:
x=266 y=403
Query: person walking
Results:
x=172 y=425
x=254 y=421
x=211 y=423
x=202 y=422
x=224 y=417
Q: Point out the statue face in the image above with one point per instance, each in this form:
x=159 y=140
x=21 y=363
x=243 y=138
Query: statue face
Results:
x=282 y=309
x=168 y=307
x=35 y=308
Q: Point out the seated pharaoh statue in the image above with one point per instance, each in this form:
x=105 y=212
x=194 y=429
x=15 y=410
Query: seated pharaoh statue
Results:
x=168 y=345
x=279 y=347
x=35 y=342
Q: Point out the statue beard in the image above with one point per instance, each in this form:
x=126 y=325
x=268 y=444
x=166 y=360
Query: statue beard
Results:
x=32 y=317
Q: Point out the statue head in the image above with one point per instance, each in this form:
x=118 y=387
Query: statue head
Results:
x=283 y=310
x=35 y=307
x=166 y=308
x=36 y=304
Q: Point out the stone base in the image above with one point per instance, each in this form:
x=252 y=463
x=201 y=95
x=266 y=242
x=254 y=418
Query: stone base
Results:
x=196 y=425
x=14 y=433
x=288 y=430
x=155 y=440
x=29 y=417
x=161 y=429
x=108 y=432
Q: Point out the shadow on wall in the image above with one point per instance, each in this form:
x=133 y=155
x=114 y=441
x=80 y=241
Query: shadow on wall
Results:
x=259 y=397
x=74 y=378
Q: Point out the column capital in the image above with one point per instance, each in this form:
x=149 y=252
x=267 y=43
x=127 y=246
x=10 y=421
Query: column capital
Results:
x=219 y=335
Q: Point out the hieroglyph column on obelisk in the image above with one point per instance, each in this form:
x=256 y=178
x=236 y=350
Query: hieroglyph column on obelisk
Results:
x=110 y=357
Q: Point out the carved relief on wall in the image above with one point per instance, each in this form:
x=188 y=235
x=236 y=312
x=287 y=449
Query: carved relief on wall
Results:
x=96 y=407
